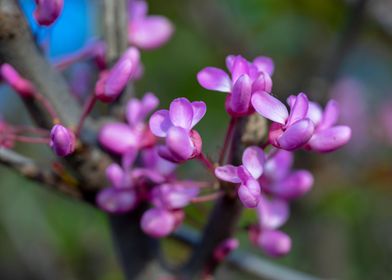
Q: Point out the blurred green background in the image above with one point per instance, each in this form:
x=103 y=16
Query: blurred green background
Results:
x=341 y=230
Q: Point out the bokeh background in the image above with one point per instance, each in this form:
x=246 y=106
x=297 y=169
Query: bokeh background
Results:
x=335 y=48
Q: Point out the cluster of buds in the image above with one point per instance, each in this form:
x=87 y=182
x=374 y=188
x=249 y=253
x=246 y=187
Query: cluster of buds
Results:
x=265 y=181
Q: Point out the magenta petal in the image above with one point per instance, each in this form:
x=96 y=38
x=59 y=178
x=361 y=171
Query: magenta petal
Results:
x=330 y=139
x=180 y=143
x=269 y=107
x=273 y=213
x=181 y=113
x=295 y=185
x=153 y=161
x=137 y=9
x=117 y=137
x=115 y=174
x=115 y=200
x=249 y=193
x=299 y=109
x=199 y=110
x=227 y=173
x=62 y=140
x=160 y=123
x=241 y=94
x=149 y=102
x=150 y=32
x=330 y=115
x=296 y=135
x=315 y=113
x=47 y=11
x=264 y=64
x=129 y=158
x=158 y=222
x=239 y=68
x=279 y=165
x=137 y=111
x=253 y=160
x=173 y=196
x=230 y=62
x=274 y=242
x=214 y=79
x=262 y=83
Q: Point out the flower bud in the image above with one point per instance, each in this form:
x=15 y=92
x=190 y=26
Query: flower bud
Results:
x=275 y=243
x=47 y=11
x=158 y=222
x=62 y=140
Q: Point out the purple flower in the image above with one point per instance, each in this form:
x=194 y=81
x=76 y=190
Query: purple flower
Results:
x=327 y=136
x=275 y=243
x=182 y=142
x=174 y=195
x=119 y=137
x=158 y=222
x=283 y=182
x=121 y=196
x=147 y=32
x=112 y=82
x=246 y=174
x=62 y=140
x=246 y=78
x=47 y=11
x=288 y=131
x=272 y=212
x=22 y=86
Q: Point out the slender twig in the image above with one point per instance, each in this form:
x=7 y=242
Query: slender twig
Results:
x=206 y=162
x=88 y=107
x=207 y=197
x=227 y=140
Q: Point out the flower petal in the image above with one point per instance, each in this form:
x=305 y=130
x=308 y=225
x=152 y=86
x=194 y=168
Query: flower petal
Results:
x=273 y=213
x=160 y=123
x=294 y=186
x=253 y=160
x=118 y=137
x=129 y=158
x=296 y=135
x=274 y=242
x=115 y=200
x=330 y=139
x=199 y=110
x=115 y=174
x=240 y=67
x=137 y=110
x=262 y=83
x=227 y=173
x=241 y=94
x=269 y=107
x=179 y=143
x=315 y=112
x=158 y=222
x=249 y=193
x=173 y=196
x=181 y=113
x=330 y=115
x=265 y=64
x=299 y=109
x=150 y=32
x=214 y=79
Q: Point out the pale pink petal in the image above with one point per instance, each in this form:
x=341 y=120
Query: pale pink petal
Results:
x=265 y=64
x=118 y=137
x=330 y=139
x=274 y=242
x=199 y=110
x=160 y=123
x=330 y=115
x=158 y=222
x=181 y=113
x=227 y=173
x=249 y=193
x=241 y=95
x=269 y=107
x=315 y=113
x=115 y=174
x=214 y=79
x=253 y=159
x=299 y=109
x=114 y=200
x=240 y=67
x=179 y=143
x=294 y=186
x=273 y=213
x=296 y=135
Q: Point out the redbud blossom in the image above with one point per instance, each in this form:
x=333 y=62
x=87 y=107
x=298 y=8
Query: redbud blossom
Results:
x=62 y=140
x=47 y=11
x=247 y=174
x=182 y=142
x=112 y=82
x=17 y=82
x=144 y=31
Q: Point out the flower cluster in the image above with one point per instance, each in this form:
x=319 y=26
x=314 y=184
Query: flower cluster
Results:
x=149 y=150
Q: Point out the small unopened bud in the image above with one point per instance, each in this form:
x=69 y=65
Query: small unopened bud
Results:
x=111 y=84
x=22 y=86
x=47 y=11
x=225 y=248
x=275 y=243
x=62 y=140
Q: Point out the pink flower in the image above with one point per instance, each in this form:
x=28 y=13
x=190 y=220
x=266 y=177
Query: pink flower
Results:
x=112 y=82
x=246 y=174
x=22 y=86
x=144 y=31
x=62 y=140
x=246 y=78
x=288 y=131
x=47 y=11
x=327 y=136
x=176 y=125
x=119 y=137
x=158 y=222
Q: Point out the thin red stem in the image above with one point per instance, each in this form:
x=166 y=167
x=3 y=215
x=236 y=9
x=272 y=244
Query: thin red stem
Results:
x=88 y=106
x=207 y=197
x=206 y=162
x=48 y=107
x=228 y=136
x=30 y=129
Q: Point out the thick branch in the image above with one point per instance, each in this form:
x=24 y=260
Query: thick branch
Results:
x=27 y=168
